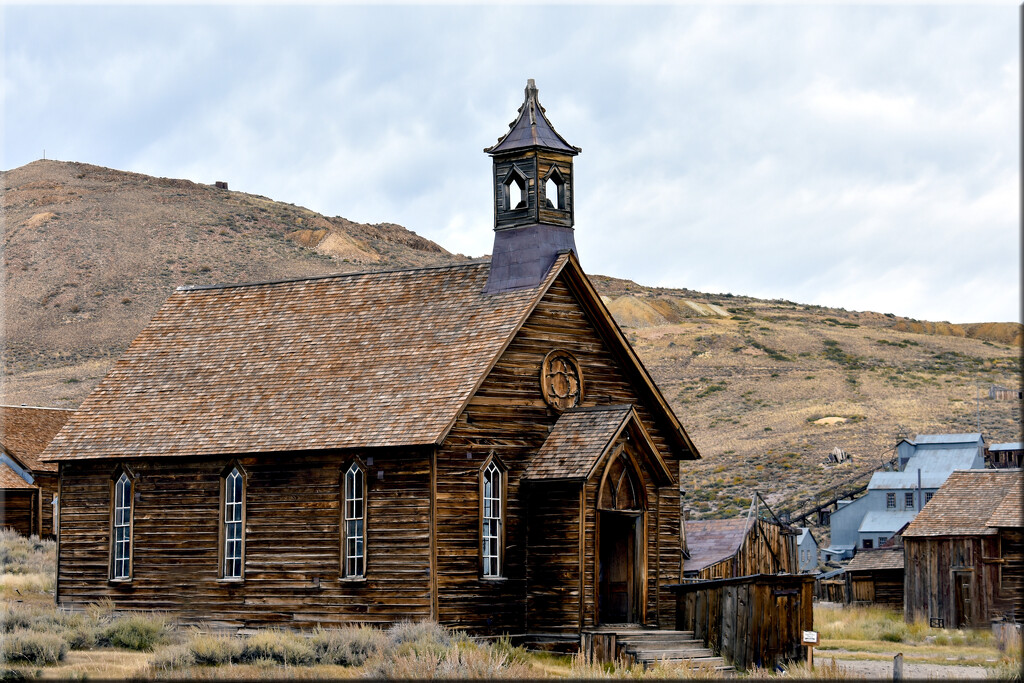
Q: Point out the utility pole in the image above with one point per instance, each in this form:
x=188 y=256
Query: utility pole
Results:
x=977 y=401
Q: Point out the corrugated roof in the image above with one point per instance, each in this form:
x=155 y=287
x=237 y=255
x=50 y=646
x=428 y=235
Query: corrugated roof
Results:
x=947 y=438
x=9 y=479
x=1012 y=446
x=353 y=360
x=25 y=432
x=943 y=460
x=967 y=501
x=881 y=520
x=906 y=480
x=713 y=540
x=870 y=560
x=577 y=441
x=531 y=129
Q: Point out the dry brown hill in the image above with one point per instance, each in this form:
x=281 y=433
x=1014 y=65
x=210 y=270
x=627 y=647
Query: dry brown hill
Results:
x=765 y=388
x=91 y=252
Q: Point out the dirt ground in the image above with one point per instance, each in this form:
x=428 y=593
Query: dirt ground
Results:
x=882 y=670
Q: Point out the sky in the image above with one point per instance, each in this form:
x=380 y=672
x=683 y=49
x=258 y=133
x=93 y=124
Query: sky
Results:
x=862 y=157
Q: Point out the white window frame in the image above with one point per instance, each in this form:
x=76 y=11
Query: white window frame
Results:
x=492 y=519
x=232 y=523
x=353 y=517
x=121 y=527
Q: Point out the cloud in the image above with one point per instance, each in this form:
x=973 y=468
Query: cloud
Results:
x=853 y=156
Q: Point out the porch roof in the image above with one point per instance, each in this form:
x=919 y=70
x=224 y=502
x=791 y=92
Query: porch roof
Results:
x=580 y=439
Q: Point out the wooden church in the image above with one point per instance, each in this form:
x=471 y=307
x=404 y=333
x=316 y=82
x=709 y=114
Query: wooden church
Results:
x=476 y=444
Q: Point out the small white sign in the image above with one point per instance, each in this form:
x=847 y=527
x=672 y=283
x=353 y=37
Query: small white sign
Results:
x=810 y=637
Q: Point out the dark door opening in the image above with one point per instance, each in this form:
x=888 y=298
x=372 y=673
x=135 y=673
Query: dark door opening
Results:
x=618 y=587
x=962 y=588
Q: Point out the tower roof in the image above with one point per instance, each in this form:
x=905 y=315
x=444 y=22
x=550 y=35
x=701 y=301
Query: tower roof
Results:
x=531 y=129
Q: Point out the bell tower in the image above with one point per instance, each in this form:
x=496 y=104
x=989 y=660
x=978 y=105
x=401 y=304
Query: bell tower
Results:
x=533 y=198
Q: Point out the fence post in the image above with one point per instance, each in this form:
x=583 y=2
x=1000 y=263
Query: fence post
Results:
x=897 y=667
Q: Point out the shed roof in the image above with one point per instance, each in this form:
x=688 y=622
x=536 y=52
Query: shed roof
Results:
x=1012 y=446
x=9 y=479
x=882 y=520
x=25 y=431
x=871 y=560
x=971 y=503
x=713 y=540
x=361 y=360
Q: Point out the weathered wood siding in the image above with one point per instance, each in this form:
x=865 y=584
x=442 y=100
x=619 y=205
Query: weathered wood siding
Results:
x=752 y=620
x=878 y=586
x=20 y=510
x=508 y=416
x=47 y=483
x=987 y=568
x=553 y=568
x=766 y=549
x=292 y=546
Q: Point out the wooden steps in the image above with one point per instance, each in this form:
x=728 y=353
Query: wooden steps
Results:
x=650 y=646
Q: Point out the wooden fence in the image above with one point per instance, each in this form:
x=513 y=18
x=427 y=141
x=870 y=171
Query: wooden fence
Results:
x=751 y=621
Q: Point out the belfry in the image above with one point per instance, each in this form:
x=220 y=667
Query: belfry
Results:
x=533 y=198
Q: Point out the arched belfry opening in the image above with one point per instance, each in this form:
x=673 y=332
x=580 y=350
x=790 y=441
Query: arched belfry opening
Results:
x=533 y=198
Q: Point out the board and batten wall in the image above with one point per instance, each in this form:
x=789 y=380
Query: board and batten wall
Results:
x=292 y=574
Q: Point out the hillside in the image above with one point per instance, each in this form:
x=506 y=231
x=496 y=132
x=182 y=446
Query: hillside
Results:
x=765 y=388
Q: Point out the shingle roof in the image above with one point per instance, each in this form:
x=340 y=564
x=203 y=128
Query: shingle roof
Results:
x=354 y=360
x=1010 y=512
x=531 y=129
x=967 y=501
x=883 y=558
x=9 y=479
x=25 y=431
x=713 y=540
x=578 y=440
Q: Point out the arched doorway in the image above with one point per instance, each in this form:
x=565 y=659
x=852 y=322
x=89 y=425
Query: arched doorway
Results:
x=621 y=535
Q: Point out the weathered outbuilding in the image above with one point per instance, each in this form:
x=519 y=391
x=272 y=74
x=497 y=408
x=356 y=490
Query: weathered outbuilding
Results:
x=28 y=486
x=876 y=577
x=964 y=552
x=728 y=548
x=477 y=444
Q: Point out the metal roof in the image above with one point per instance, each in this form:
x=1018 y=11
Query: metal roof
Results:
x=531 y=129
x=947 y=438
x=881 y=520
x=906 y=480
x=1012 y=446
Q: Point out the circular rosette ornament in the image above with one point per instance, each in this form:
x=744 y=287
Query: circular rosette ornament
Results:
x=561 y=381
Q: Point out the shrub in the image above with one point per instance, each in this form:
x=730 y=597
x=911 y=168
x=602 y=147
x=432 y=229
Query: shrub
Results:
x=33 y=647
x=134 y=632
x=173 y=657
x=280 y=646
x=419 y=632
x=213 y=649
x=349 y=646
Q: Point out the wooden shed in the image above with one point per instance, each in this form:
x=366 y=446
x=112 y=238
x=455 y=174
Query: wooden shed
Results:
x=28 y=481
x=477 y=444
x=727 y=548
x=876 y=577
x=964 y=552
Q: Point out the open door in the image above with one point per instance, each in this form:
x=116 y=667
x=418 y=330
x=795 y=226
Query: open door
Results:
x=962 y=588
